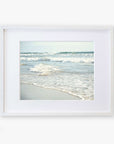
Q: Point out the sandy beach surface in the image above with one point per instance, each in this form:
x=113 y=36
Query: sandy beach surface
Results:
x=31 y=92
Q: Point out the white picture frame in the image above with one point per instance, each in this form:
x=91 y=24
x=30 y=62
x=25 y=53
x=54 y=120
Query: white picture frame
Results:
x=9 y=59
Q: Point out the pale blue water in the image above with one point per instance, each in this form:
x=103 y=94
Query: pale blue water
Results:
x=70 y=72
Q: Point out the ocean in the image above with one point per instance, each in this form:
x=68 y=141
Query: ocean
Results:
x=69 y=72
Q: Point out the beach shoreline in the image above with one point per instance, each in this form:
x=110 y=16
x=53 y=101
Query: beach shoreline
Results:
x=32 y=92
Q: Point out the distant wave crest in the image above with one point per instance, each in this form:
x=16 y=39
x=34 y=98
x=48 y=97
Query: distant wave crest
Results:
x=61 y=59
x=52 y=53
x=88 y=52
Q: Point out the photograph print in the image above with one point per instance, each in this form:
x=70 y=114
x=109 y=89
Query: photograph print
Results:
x=56 y=70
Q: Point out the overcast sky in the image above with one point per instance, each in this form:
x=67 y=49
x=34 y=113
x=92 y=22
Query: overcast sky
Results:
x=54 y=47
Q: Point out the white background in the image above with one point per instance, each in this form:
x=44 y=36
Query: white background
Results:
x=56 y=130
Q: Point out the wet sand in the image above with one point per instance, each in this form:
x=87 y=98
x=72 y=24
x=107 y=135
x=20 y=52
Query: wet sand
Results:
x=31 y=92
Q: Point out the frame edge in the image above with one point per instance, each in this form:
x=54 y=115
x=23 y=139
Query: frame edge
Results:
x=2 y=65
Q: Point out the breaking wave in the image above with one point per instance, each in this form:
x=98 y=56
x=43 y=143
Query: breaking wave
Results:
x=43 y=69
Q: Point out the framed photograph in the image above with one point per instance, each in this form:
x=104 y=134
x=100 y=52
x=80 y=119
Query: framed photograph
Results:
x=56 y=71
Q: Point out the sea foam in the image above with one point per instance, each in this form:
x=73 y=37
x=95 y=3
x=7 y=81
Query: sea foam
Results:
x=44 y=69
